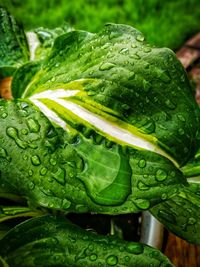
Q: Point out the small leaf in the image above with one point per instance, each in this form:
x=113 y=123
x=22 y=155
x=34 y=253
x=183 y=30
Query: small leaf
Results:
x=55 y=241
x=181 y=213
x=13 y=45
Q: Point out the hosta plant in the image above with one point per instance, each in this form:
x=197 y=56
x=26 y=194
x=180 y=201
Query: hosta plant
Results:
x=100 y=123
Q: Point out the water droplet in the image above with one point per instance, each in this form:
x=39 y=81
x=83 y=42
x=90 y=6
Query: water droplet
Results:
x=53 y=79
x=133 y=45
x=91 y=247
x=147 y=49
x=127 y=258
x=25 y=157
x=135 y=56
x=142 y=163
x=142 y=203
x=106 y=66
x=24 y=131
x=124 y=50
x=59 y=176
x=43 y=171
x=181 y=131
x=31 y=185
x=66 y=204
x=164 y=196
x=181 y=117
x=13 y=133
x=112 y=260
x=4 y=115
x=135 y=248
x=142 y=186
x=93 y=257
x=57 y=64
x=35 y=160
x=33 y=125
x=140 y=38
x=30 y=172
x=3 y=153
x=170 y=104
x=161 y=175
x=53 y=161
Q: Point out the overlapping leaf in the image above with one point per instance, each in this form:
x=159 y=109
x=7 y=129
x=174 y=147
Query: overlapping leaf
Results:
x=181 y=214
x=54 y=241
x=55 y=169
x=14 y=50
x=115 y=73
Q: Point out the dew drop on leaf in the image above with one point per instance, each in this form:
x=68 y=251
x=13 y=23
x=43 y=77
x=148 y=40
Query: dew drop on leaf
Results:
x=112 y=260
x=142 y=186
x=66 y=204
x=93 y=257
x=35 y=160
x=3 y=153
x=147 y=49
x=161 y=175
x=124 y=50
x=53 y=161
x=106 y=66
x=13 y=133
x=142 y=163
x=135 y=56
x=4 y=115
x=43 y=171
x=127 y=258
x=24 y=131
x=30 y=172
x=33 y=125
x=31 y=185
x=133 y=45
x=142 y=203
x=135 y=248
x=140 y=38
x=59 y=176
x=164 y=196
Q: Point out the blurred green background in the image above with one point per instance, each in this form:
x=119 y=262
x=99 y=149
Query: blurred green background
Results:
x=163 y=22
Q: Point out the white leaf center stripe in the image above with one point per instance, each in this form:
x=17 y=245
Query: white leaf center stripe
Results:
x=104 y=126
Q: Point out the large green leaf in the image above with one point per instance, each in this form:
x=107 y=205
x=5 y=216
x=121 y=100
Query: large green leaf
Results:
x=78 y=172
x=54 y=241
x=117 y=76
x=181 y=213
x=14 y=49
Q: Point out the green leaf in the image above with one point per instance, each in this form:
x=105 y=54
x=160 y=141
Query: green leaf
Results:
x=192 y=168
x=53 y=168
x=11 y=212
x=42 y=39
x=13 y=45
x=55 y=241
x=115 y=75
x=181 y=213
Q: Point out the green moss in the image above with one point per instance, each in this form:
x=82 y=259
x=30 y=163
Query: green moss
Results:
x=164 y=23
